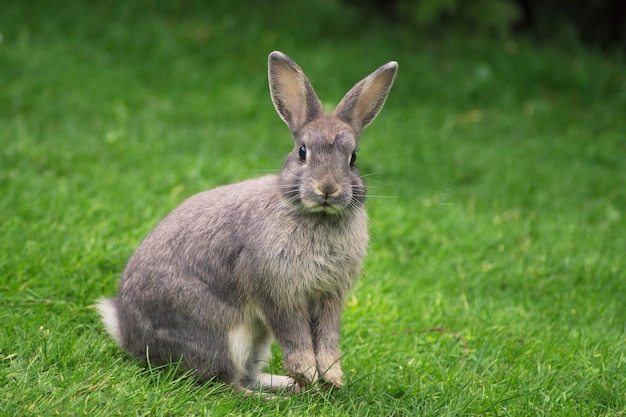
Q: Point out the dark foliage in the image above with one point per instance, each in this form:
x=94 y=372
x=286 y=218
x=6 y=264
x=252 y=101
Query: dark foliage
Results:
x=594 y=22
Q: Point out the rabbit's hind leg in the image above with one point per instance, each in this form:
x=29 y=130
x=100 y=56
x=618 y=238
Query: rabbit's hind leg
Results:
x=255 y=378
x=249 y=350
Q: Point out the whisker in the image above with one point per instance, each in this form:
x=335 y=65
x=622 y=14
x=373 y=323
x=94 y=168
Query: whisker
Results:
x=370 y=187
x=369 y=175
x=267 y=170
x=377 y=182
x=378 y=196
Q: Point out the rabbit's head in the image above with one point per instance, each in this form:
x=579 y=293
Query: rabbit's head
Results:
x=319 y=175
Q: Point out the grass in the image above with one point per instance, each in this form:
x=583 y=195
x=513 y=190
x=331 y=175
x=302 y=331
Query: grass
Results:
x=499 y=166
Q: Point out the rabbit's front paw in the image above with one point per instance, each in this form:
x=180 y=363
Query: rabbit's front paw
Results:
x=329 y=366
x=331 y=378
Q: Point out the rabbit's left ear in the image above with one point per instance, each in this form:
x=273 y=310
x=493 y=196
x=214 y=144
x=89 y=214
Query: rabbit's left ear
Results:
x=292 y=93
x=363 y=102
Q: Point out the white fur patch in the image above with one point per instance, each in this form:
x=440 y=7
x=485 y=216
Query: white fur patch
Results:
x=240 y=345
x=109 y=318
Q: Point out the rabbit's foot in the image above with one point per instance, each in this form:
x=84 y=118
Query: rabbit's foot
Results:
x=332 y=377
x=269 y=386
x=273 y=383
x=329 y=366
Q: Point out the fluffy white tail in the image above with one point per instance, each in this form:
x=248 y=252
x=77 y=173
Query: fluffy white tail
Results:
x=108 y=311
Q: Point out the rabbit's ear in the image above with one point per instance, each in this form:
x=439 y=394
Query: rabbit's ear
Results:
x=292 y=93
x=363 y=102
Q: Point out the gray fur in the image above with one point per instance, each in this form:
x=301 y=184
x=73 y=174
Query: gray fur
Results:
x=234 y=267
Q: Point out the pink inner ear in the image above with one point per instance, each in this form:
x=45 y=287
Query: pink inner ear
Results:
x=289 y=88
x=372 y=93
x=373 y=96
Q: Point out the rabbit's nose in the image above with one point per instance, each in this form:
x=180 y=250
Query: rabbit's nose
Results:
x=327 y=188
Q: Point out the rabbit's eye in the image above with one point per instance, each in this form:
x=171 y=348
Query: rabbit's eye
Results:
x=353 y=158
x=302 y=153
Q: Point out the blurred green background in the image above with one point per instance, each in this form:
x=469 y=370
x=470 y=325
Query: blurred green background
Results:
x=495 y=281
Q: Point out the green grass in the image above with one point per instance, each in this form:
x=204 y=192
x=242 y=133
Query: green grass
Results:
x=499 y=166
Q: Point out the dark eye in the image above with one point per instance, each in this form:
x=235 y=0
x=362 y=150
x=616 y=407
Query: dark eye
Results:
x=353 y=158
x=302 y=153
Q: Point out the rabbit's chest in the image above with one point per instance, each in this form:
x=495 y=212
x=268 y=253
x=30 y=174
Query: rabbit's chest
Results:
x=311 y=261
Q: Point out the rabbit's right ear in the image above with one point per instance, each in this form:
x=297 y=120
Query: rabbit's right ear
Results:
x=292 y=93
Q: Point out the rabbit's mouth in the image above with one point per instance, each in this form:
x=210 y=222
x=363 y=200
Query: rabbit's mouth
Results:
x=329 y=208
x=323 y=207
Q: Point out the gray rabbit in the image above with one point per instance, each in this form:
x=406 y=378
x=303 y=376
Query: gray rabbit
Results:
x=233 y=268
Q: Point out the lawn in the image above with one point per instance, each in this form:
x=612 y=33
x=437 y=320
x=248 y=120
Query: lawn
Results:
x=496 y=278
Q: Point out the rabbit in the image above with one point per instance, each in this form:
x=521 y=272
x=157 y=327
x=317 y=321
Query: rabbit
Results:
x=233 y=268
